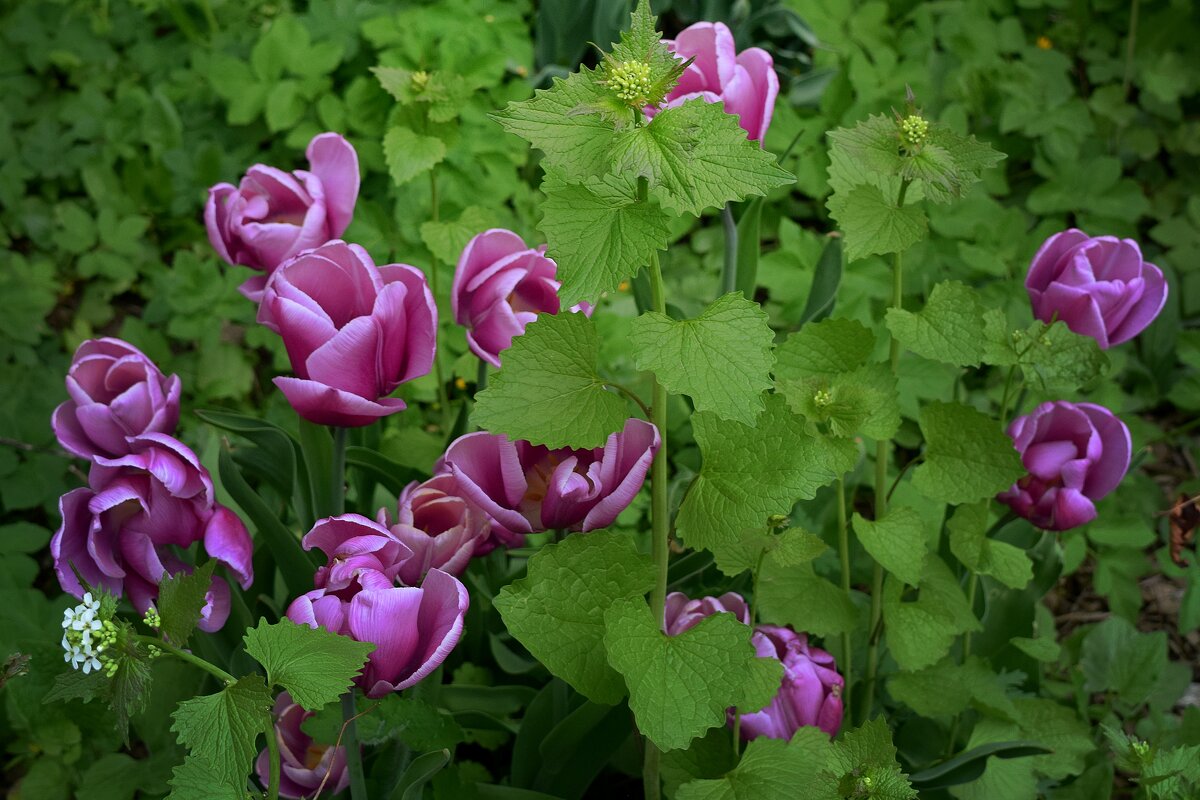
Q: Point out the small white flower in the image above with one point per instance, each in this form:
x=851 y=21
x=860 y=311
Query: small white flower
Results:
x=90 y=664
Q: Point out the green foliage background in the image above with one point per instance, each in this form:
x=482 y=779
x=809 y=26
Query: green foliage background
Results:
x=119 y=114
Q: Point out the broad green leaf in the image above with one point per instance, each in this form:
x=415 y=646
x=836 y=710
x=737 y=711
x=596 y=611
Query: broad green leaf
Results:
x=409 y=153
x=967 y=455
x=823 y=349
x=969 y=542
x=968 y=156
x=948 y=688
x=949 y=328
x=547 y=391
x=222 y=728
x=861 y=402
x=722 y=358
x=698 y=157
x=897 y=541
x=599 y=233
x=557 y=610
x=1059 y=728
x=314 y=665
x=1056 y=359
x=921 y=631
x=181 y=598
x=789 y=548
x=198 y=778
x=872 y=224
x=874 y=143
x=679 y=686
x=750 y=474
x=129 y=688
x=1118 y=658
x=772 y=769
x=797 y=596
x=863 y=762
x=1042 y=648
x=412 y=721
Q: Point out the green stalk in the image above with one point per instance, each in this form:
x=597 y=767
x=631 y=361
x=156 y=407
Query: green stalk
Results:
x=338 y=473
x=729 y=274
x=443 y=397
x=358 y=781
x=183 y=655
x=844 y=553
x=273 y=751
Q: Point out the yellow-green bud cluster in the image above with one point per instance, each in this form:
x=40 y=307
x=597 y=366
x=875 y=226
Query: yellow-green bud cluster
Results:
x=914 y=129
x=152 y=619
x=420 y=79
x=631 y=82
x=822 y=398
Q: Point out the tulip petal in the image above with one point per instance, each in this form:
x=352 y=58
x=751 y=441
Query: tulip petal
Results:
x=227 y=540
x=326 y=405
x=334 y=162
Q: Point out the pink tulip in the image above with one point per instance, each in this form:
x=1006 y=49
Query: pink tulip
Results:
x=1099 y=286
x=304 y=766
x=809 y=694
x=125 y=531
x=116 y=393
x=441 y=528
x=527 y=488
x=682 y=614
x=274 y=215
x=1076 y=453
x=354 y=332
x=746 y=82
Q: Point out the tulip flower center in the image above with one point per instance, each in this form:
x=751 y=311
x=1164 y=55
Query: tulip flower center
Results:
x=313 y=755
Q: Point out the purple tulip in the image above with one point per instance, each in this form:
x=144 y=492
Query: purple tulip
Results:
x=1076 y=453
x=124 y=530
x=352 y=543
x=682 y=614
x=746 y=82
x=353 y=331
x=500 y=286
x=809 y=694
x=1099 y=286
x=527 y=488
x=274 y=215
x=116 y=393
x=441 y=528
x=304 y=765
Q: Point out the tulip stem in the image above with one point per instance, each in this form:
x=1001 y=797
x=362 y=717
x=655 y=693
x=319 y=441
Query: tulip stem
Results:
x=338 y=472
x=443 y=397
x=273 y=751
x=844 y=553
x=183 y=655
x=729 y=275
x=358 y=783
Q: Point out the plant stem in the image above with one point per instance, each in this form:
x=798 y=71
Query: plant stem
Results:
x=338 y=472
x=481 y=376
x=358 y=782
x=844 y=553
x=443 y=397
x=972 y=587
x=1130 y=47
x=729 y=274
x=1007 y=395
x=631 y=395
x=273 y=751
x=183 y=655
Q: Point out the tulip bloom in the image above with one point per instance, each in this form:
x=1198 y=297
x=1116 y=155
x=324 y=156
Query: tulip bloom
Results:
x=352 y=543
x=274 y=215
x=809 y=694
x=527 y=488
x=682 y=614
x=303 y=764
x=353 y=331
x=1076 y=453
x=441 y=528
x=116 y=393
x=1099 y=286
x=500 y=286
x=122 y=531
x=746 y=82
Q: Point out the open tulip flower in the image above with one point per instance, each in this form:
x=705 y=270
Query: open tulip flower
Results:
x=1098 y=285
x=304 y=766
x=809 y=694
x=116 y=392
x=527 y=488
x=121 y=531
x=442 y=529
x=272 y=215
x=1076 y=453
x=353 y=331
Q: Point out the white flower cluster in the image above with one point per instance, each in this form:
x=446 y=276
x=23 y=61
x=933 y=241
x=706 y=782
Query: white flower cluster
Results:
x=83 y=635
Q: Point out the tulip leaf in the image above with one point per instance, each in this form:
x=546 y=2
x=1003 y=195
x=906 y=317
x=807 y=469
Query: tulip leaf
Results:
x=897 y=541
x=411 y=785
x=772 y=769
x=181 y=598
x=722 y=358
x=548 y=391
x=750 y=474
x=314 y=665
x=950 y=328
x=680 y=686
x=970 y=544
x=921 y=631
x=557 y=610
x=967 y=455
x=222 y=728
x=600 y=233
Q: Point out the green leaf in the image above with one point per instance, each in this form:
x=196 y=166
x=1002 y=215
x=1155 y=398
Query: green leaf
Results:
x=921 y=631
x=411 y=785
x=874 y=143
x=968 y=766
x=949 y=328
x=861 y=402
x=772 y=769
x=750 y=474
x=897 y=541
x=789 y=548
x=1056 y=359
x=722 y=358
x=1118 y=658
x=599 y=233
x=968 y=541
x=557 y=610
x=446 y=240
x=698 y=157
x=797 y=596
x=410 y=154
x=948 y=688
x=181 y=598
x=864 y=764
x=548 y=392
x=314 y=665
x=824 y=349
x=642 y=42
x=872 y=224
x=968 y=156
x=222 y=728
x=967 y=455
x=1042 y=648
x=129 y=687
x=680 y=686
x=412 y=721
x=198 y=778
x=1059 y=728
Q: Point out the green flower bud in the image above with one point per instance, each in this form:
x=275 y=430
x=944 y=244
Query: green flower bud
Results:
x=822 y=398
x=631 y=82
x=914 y=128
